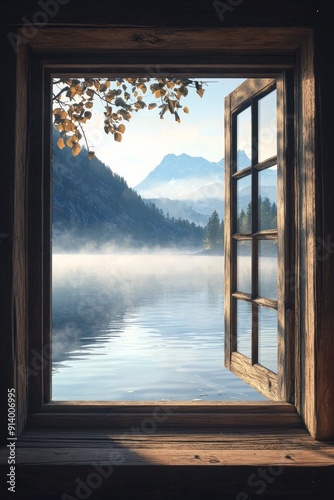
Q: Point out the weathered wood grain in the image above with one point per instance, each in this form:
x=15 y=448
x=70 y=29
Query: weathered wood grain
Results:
x=208 y=446
x=306 y=284
x=20 y=279
x=257 y=375
x=174 y=456
x=225 y=40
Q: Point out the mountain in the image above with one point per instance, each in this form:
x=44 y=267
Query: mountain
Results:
x=93 y=207
x=193 y=187
x=178 y=176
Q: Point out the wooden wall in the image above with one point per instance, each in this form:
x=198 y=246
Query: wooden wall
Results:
x=190 y=14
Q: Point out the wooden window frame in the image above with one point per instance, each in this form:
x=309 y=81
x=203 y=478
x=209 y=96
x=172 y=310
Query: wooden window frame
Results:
x=237 y=51
x=275 y=386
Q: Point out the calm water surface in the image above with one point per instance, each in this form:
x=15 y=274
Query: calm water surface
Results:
x=142 y=327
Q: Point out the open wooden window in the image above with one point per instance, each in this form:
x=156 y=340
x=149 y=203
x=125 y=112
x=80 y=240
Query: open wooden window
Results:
x=256 y=241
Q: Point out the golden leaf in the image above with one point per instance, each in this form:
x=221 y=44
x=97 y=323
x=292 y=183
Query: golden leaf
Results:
x=152 y=105
x=121 y=128
x=200 y=92
x=61 y=143
x=142 y=87
x=185 y=109
x=118 y=136
x=76 y=149
x=70 y=142
x=57 y=111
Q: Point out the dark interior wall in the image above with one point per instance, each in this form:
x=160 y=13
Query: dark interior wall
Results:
x=193 y=13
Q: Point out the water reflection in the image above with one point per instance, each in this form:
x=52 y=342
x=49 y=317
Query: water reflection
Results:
x=141 y=328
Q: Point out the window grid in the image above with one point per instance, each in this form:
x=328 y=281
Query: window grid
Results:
x=254 y=235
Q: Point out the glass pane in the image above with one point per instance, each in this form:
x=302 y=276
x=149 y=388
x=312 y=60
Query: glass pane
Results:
x=244 y=267
x=268 y=269
x=244 y=139
x=268 y=338
x=268 y=126
x=244 y=328
x=268 y=198
x=244 y=205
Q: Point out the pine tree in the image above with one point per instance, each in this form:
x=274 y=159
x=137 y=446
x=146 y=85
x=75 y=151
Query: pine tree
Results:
x=212 y=238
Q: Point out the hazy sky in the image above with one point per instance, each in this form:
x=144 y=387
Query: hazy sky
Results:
x=148 y=138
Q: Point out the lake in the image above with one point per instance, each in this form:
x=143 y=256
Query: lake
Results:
x=142 y=327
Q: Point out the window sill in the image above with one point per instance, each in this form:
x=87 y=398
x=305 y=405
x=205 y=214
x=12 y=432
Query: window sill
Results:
x=130 y=461
x=171 y=447
x=192 y=434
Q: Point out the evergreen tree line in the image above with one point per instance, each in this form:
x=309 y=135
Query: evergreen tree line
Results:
x=267 y=216
x=214 y=230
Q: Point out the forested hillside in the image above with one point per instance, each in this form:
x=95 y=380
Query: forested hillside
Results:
x=93 y=207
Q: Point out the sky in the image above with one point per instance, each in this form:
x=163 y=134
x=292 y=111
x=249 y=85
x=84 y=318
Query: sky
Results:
x=148 y=138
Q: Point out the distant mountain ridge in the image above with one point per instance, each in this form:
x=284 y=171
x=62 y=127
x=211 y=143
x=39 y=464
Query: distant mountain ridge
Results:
x=176 y=176
x=186 y=177
x=194 y=186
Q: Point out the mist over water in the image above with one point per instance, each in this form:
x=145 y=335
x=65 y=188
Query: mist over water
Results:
x=141 y=327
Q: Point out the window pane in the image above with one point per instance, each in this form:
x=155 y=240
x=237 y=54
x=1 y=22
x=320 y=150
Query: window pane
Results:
x=268 y=198
x=244 y=138
x=244 y=328
x=268 y=269
x=244 y=205
x=268 y=338
x=244 y=267
x=268 y=126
